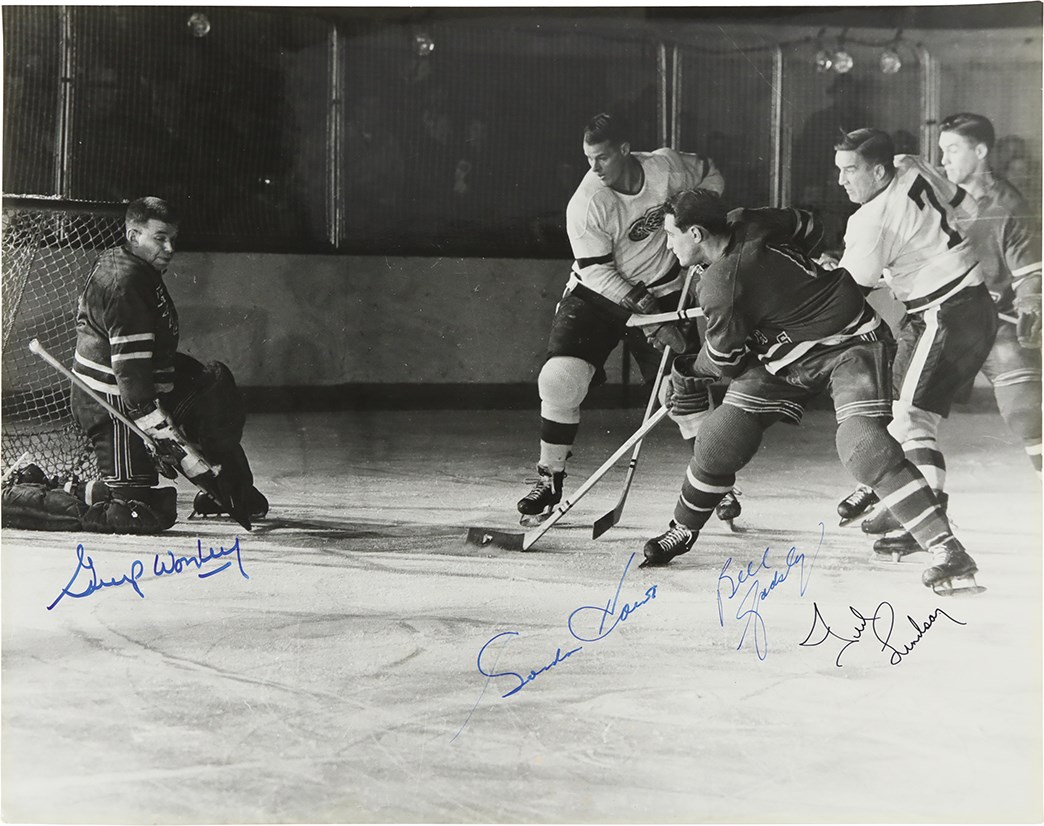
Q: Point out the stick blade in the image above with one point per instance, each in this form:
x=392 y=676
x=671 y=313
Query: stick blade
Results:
x=604 y=523
x=484 y=537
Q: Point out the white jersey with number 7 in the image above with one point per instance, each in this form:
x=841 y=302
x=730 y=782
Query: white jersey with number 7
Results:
x=914 y=234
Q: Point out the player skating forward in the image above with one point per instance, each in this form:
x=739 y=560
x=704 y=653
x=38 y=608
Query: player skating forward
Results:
x=911 y=229
x=126 y=349
x=784 y=329
x=622 y=266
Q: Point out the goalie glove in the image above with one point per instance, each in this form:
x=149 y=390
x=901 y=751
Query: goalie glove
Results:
x=172 y=451
x=1028 y=327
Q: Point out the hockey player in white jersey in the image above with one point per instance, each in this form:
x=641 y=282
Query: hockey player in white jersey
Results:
x=911 y=230
x=622 y=266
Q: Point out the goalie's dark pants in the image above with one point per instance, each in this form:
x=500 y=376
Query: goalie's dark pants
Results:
x=205 y=403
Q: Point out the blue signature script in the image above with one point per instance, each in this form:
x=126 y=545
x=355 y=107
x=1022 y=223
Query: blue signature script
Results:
x=754 y=582
x=86 y=580
x=588 y=623
x=882 y=624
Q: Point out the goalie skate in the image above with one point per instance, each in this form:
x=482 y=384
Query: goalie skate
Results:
x=204 y=506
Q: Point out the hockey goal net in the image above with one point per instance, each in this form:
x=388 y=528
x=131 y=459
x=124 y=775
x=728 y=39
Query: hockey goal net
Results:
x=49 y=249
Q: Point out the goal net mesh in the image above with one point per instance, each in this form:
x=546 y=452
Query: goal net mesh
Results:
x=47 y=253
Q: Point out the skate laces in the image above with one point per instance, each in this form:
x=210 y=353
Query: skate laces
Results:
x=677 y=536
x=859 y=495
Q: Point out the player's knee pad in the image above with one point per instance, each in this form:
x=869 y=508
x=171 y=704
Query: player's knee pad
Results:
x=563 y=385
x=727 y=440
x=1019 y=406
x=866 y=448
x=211 y=413
x=911 y=424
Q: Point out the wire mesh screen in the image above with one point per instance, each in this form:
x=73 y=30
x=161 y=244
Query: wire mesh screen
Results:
x=230 y=125
x=819 y=105
x=48 y=252
x=32 y=49
x=474 y=146
x=725 y=112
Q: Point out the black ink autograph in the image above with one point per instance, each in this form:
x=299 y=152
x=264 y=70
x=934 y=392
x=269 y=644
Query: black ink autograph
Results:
x=160 y=567
x=588 y=623
x=750 y=578
x=883 y=614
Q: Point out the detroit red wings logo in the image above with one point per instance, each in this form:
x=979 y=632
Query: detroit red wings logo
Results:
x=648 y=223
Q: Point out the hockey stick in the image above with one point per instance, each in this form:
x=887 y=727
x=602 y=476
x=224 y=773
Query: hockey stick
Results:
x=608 y=520
x=640 y=320
x=208 y=478
x=14 y=467
x=523 y=542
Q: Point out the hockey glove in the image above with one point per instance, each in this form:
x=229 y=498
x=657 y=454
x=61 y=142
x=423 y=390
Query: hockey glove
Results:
x=640 y=300
x=667 y=335
x=687 y=394
x=172 y=451
x=1028 y=327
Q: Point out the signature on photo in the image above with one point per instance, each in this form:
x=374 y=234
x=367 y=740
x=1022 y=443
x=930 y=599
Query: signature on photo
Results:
x=753 y=584
x=86 y=580
x=881 y=622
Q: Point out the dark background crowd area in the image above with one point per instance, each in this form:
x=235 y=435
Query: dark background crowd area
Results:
x=439 y=132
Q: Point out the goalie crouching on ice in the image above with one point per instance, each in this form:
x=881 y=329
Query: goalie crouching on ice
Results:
x=126 y=351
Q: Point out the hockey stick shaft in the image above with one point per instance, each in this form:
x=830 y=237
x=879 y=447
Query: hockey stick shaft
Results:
x=611 y=518
x=14 y=467
x=567 y=504
x=38 y=349
x=641 y=320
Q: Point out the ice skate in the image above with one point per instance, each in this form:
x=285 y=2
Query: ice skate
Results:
x=537 y=505
x=204 y=506
x=953 y=570
x=728 y=509
x=895 y=546
x=663 y=548
x=881 y=521
x=856 y=504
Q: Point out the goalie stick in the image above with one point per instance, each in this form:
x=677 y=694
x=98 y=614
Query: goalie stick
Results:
x=207 y=482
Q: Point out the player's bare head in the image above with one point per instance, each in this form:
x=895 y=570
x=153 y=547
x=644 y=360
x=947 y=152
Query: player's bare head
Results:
x=151 y=227
x=965 y=140
x=693 y=218
x=607 y=145
x=865 y=163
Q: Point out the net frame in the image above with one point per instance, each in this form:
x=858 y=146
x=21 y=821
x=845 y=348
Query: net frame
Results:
x=49 y=248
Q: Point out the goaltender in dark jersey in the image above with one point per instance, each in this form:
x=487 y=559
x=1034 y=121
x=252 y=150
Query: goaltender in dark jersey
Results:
x=127 y=330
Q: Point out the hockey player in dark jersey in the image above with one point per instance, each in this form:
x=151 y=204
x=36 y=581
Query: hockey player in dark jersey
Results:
x=126 y=349
x=783 y=328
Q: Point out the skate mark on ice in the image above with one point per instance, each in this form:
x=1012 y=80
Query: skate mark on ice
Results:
x=747 y=579
x=883 y=614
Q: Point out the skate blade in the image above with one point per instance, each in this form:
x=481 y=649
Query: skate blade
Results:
x=533 y=520
x=894 y=559
x=485 y=537
x=958 y=586
x=734 y=527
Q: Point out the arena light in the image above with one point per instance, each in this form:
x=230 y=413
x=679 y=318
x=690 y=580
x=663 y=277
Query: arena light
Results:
x=843 y=61
x=891 y=61
x=198 y=24
x=423 y=45
x=824 y=60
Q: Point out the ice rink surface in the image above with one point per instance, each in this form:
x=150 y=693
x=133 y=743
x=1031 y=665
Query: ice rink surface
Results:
x=340 y=682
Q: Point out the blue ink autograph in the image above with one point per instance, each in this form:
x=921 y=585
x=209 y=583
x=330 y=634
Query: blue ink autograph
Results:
x=750 y=577
x=885 y=614
x=160 y=567
x=588 y=623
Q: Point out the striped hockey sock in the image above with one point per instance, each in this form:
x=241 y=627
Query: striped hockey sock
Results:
x=700 y=494
x=908 y=496
x=924 y=453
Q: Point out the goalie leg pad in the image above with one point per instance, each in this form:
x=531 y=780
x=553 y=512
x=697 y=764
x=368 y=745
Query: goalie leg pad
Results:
x=134 y=516
x=206 y=404
x=37 y=507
